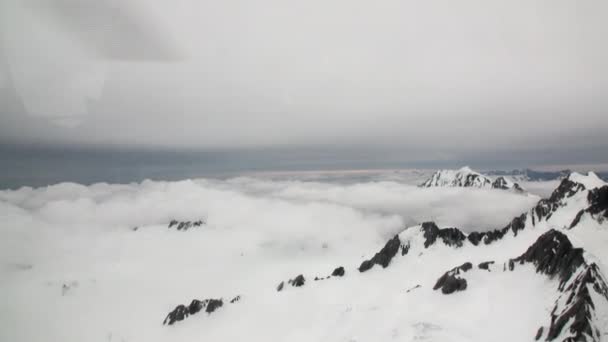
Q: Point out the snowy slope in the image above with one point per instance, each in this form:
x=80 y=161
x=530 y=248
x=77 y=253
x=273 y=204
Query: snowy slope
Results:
x=79 y=281
x=466 y=177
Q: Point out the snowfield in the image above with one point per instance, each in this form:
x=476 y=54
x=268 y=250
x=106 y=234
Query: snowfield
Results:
x=100 y=262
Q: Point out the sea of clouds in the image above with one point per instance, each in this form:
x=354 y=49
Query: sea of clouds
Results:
x=270 y=211
x=259 y=230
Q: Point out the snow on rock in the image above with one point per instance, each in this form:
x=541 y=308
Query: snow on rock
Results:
x=590 y=180
x=450 y=282
x=598 y=206
x=581 y=287
x=181 y=312
x=573 y=317
x=466 y=177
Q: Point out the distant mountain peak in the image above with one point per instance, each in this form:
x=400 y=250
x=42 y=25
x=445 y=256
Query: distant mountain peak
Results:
x=467 y=177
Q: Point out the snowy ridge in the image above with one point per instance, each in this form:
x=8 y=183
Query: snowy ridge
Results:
x=580 y=310
x=581 y=299
x=466 y=177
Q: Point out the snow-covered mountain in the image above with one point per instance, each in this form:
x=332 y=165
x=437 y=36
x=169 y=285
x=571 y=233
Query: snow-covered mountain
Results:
x=466 y=177
x=541 y=277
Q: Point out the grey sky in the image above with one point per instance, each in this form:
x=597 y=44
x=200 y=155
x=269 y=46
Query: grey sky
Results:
x=438 y=78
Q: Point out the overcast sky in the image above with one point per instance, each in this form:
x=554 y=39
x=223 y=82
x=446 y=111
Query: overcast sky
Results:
x=440 y=78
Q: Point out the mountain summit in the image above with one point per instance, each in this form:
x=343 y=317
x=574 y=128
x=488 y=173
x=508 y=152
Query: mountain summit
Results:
x=467 y=178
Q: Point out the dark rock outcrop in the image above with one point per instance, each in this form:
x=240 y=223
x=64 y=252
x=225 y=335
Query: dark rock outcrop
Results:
x=213 y=304
x=553 y=255
x=338 y=272
x=502 y=184
x=566 y=189
x=185 y=225
x=450 y=283
x=383 y=257
x=181 y=311
x=449 y=236
x=485 y=265
x=178 y=314
x=579 y=310
x=297 y=281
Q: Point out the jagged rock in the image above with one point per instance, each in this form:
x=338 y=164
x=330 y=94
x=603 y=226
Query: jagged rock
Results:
x=485 y=265
x=181 y=311
x=185 y=225
x=449 y=282
x=178 y=314
x=598 y=205
x=578 y=312
x=298 y=281
x=539 y=333
x=338 y=272
x=213 y=305
x=553 y=254
x=503 y=184
x=450 y=236
x=383 y=257
x=567 y=188
x=405 y=248
x=195 y=306
x=517 y=224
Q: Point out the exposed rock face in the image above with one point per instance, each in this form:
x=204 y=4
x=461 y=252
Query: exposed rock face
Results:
x=450 y=283
x=213 y=304
x=574 y=310
x=297 y=281
x=598 y=206
x=185 y=225
x=566 y=189
x=504 y=184
x=178 y=314
x=450 y=236
x=181 y=311
x=338 y=272
x=383 y=257
x=553 y=254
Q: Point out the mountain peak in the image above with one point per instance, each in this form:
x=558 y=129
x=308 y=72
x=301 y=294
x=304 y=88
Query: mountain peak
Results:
x=466 y=169
x=590 y=181
x=467 y=177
